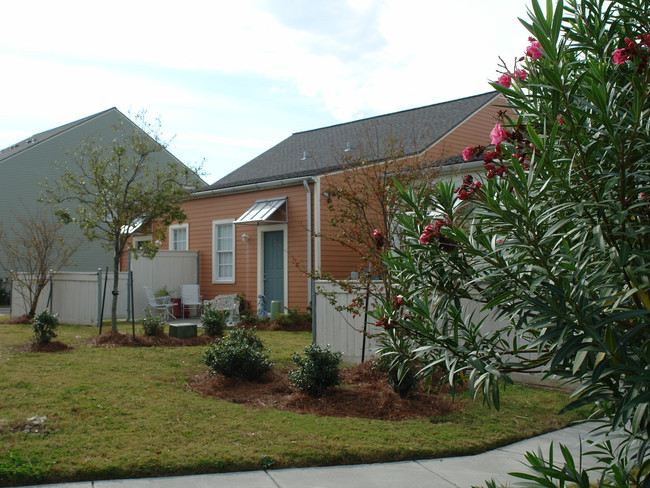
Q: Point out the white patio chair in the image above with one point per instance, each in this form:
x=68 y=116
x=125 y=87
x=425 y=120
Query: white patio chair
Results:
x=160 y=304
x=190 y=298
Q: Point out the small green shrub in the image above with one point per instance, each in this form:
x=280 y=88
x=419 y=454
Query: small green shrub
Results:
x=318 y=370
x=240 y=354
x=214 y=321
x=162 y=292
x=152 y=325
x=44 y=325
x=292 y=319
x=251 y=319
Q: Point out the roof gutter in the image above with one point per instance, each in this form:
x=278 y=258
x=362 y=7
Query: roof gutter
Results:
x=252 y=187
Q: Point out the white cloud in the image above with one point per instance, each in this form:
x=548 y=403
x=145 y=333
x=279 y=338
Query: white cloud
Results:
x=343 y=59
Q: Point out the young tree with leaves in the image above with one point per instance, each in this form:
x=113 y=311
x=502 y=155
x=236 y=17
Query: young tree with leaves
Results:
x=113 y=187
x=555 y=240
x=35 y=249
x=361 y=203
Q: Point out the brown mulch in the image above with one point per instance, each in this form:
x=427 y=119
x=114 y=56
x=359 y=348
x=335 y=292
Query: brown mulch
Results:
x=364 y=393
x=52 y=346
x=118 y=339
x=22 y=319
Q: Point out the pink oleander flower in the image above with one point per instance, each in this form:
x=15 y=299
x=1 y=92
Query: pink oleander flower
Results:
x=534 y=50
x=504 y=80
x=620 y=56
x=498 y=134
x=560 y=119
x=379 y=238
x=489 y=156
x=468 y=152
x=631 y=45
x=427 y=234
x=645 y=39
x=521 y=74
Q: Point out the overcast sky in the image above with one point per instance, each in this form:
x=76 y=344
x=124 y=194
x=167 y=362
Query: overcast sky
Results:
x=231 y=79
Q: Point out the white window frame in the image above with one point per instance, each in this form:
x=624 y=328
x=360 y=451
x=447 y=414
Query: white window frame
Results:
x=175 y=227
x=137 y=239
x=215 y=261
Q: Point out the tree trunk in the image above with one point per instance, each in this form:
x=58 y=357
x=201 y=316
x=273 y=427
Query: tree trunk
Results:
x=34 y=299
x=116 y=285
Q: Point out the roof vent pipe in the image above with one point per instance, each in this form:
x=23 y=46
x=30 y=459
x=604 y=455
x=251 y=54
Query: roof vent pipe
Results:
x=348 y=146
x=305 y=155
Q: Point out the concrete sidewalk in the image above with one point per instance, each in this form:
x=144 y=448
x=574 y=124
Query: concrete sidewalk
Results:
x=456 y=472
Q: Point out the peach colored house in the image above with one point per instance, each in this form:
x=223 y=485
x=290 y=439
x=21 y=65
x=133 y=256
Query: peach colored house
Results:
x=252 y=226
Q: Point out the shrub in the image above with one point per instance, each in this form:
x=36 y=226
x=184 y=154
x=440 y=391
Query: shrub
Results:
x=214 y=321
x=44 y=325
x=292 y=319
x=240 y=354
x=251 y=319
x=318 y=370
x=402 y=378
x=152 y=325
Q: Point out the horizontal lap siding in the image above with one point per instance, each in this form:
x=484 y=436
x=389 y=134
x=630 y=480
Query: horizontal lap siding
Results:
x=202 y=212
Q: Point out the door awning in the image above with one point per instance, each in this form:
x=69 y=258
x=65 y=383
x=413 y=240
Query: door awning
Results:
x=270 y=210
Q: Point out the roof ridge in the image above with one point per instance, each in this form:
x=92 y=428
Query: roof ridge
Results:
x=45 y=135
x=413 y=109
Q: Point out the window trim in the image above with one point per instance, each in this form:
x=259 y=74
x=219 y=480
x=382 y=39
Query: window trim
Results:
x=137 y=239
x=215 y=262
x=175 y=227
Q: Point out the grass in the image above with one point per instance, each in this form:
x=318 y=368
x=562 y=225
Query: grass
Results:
x=128 y=412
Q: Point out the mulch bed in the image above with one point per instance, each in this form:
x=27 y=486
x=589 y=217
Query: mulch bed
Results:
x=364 y=393
x=52 y=346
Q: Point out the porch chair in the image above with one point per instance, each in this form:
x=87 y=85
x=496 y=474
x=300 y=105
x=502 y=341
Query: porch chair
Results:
x=190 y=298
x=160 y=304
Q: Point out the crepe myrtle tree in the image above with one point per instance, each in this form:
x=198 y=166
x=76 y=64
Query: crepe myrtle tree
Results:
x=362 y=218
x=114 y=186
x=554 y=240
x=35 y=248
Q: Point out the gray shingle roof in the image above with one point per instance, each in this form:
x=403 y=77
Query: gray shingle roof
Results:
x=43 y=136
x=322 y=150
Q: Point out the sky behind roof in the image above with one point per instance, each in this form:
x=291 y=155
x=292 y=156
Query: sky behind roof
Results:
x=229 y=80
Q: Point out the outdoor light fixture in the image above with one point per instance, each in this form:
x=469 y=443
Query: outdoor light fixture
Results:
x=327 y=194
x=244 y=237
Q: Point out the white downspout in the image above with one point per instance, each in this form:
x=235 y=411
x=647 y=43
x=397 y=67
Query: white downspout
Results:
x=305 y=182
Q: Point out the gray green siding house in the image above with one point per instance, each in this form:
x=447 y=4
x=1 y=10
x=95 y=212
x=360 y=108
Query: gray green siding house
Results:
x=25 y=165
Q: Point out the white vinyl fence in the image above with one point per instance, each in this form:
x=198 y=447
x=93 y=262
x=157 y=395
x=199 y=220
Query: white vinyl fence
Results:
x=343 y=332
x=77 y=296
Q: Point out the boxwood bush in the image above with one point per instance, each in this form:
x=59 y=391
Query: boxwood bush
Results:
x=44 y=325
x=318 y=370
x=240 y=354
x=214 y=321
x=152 y=325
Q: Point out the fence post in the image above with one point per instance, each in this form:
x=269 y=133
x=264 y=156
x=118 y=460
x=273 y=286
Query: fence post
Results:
x=128 y=286
x=99 y=295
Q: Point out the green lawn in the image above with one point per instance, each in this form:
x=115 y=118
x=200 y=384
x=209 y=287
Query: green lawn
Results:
x=128 y=412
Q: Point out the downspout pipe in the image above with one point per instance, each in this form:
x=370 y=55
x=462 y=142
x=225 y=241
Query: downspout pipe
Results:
x=309 y=234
